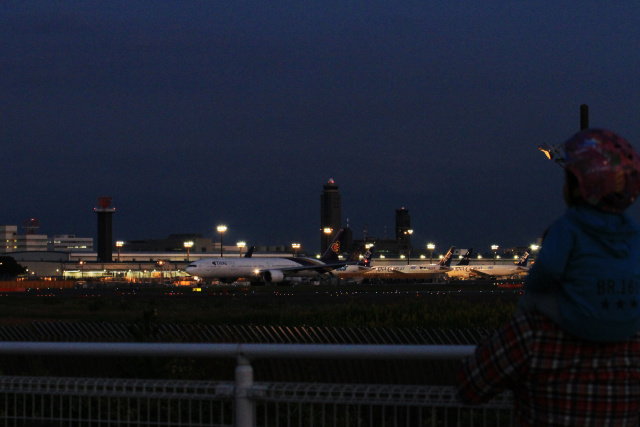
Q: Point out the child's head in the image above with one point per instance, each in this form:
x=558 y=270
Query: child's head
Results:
x=603 y=170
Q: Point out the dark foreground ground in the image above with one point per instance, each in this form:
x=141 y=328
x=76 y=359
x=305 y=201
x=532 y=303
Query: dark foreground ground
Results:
x=397 y=314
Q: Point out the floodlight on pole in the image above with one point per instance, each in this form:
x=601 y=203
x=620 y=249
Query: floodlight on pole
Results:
x=295 y=247
x=221 y=229
x=494 y=248
x=188 y=245
x=431 y=247
x=119 y=244
x=241 y=244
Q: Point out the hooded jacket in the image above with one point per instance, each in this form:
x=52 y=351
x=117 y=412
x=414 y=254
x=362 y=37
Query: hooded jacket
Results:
x=586 y=276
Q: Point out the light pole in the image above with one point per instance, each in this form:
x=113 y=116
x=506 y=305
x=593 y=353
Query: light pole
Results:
x=188 y=245
x=119 y=244
x=431 y=247
x=327 y=236
x=409 y=232
x=221 y=230
x=295 y=247
x=241 y=245
x=494 y=248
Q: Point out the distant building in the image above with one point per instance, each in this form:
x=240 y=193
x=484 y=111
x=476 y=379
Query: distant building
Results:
x=403 y=231
x=11 y=241
x=401 y=245
x=173 y=243
x=330 y=213
x=8 y=242
x=14 y=242
x=105 y=228
x=71 y=243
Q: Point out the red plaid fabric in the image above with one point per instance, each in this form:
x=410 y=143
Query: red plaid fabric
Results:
x=556 y=378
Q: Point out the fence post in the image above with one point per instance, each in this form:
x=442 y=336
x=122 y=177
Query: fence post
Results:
x=245 y=408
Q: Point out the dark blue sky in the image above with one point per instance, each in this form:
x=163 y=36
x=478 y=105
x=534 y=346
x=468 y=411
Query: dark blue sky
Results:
x=191 y=114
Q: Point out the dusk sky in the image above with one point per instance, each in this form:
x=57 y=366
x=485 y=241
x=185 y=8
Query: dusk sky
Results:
x=195 y=113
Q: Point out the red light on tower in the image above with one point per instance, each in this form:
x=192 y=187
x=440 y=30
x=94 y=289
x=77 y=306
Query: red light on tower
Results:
x=104 y=202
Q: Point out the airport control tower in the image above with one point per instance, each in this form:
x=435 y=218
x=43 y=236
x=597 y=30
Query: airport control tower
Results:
x=330 y=213
x=403 y=231
x=105 y=229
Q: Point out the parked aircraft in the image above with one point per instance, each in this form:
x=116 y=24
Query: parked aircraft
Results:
x=405 y=271
x=462 y=270
x=491 y=271
x=355 y=270
x=271 y=269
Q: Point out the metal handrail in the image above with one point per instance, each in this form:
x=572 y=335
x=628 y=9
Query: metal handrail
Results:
x=244 y=354
x=249 y=351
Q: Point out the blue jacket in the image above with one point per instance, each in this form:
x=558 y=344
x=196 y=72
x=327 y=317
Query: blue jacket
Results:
x=586 y=276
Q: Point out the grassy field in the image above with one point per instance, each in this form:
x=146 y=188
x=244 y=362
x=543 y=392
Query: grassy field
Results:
x=371 y=306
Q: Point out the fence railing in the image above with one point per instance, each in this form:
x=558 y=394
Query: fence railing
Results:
x=243 y=402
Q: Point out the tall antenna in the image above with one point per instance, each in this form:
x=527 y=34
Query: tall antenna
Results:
x=31 y=225
x=584 y=117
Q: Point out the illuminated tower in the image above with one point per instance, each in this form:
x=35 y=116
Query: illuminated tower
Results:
x=330 y=213
x=403 y=231
x=105 y=229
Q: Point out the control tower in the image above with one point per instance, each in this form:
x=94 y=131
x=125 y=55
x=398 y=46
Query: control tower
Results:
x=403 y=231
x=105 y=229
x=330 y=213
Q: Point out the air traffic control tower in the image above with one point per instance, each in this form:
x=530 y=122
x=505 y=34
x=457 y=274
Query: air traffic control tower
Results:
x=330 y=213
x=105 y=229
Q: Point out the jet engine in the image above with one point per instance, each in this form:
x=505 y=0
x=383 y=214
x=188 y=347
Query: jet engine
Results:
x=273 y=276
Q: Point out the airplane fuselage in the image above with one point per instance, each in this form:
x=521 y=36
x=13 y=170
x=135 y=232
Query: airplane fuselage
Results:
x=405 y=271
x=485 y=270
x=250 y=268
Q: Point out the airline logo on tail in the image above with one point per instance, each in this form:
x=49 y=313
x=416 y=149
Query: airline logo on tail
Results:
x=336 y=247
x=523 y=260
x=366 y=258
x=446 y=261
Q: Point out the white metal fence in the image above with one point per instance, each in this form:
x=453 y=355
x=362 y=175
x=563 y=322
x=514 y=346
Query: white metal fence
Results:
x=42 y=401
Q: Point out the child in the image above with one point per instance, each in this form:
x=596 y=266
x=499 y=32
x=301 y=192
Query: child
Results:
x=586 y=277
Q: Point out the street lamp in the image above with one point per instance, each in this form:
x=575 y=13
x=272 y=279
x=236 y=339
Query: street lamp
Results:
x=326 y=239
x=409 y=232
x=119 y=244
x=221 y=229
x=241 y=244
x=431 y=247
x=494 y=248
x=188 y=245
x=295 y=247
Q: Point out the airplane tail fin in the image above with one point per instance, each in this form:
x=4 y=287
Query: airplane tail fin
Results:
x=446 y=261
x=467 y=256
x=249 y=252
x=366 y=258
x=524 y=259
x=334 y=249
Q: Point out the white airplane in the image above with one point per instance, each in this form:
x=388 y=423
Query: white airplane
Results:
x=355 y=270
x=271 y=269
x=493 y=271
x=462 y=270
x=405 y=271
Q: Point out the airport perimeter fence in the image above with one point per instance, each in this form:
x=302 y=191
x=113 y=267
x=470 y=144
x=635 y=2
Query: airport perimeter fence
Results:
x=48 y=401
